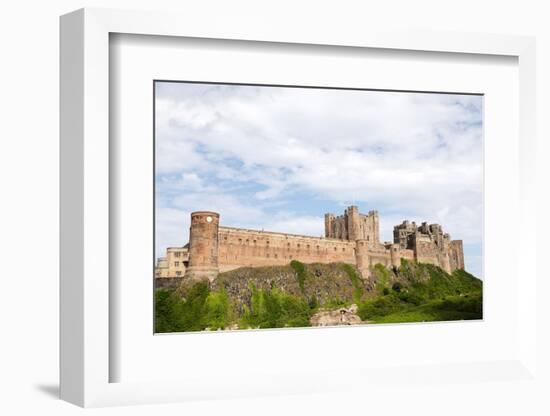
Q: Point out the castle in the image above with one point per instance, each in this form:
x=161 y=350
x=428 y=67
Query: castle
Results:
x=349 y=238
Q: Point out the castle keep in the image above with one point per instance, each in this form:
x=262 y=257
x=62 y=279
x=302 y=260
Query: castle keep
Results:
x=349 y=238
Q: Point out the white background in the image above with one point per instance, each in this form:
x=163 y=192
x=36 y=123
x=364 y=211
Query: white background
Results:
x=139 y=60
x=29 y=208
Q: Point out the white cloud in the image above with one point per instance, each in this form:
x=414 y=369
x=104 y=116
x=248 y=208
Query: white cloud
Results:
x=244 y=150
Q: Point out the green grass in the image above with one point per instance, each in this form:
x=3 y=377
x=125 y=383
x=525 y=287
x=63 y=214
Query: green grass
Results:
x=448 y=309
x=356 y=281
x=301 y=273
x=382 y=276
x=414 y=292
x=424 y=292
x=198 y=310
x=275 y=309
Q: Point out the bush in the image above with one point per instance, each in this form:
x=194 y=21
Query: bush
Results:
x=356 y=281
x=382 y=275
x=379 y=307
x=199 y=309
x=274 y=309
x=168 y=309
x=301 y=273
x=218 y=310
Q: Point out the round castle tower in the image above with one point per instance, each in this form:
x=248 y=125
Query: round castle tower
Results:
x=362 y=257
x=203 y=246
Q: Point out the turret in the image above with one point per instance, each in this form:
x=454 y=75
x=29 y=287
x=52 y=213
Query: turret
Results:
x=395 y=255
x=362 y=260
x=203 y=246
x=354 y=227
x=329 y=219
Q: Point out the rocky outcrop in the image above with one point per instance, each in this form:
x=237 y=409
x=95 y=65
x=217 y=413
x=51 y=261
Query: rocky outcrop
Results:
x=340 y=316
x=324 y=283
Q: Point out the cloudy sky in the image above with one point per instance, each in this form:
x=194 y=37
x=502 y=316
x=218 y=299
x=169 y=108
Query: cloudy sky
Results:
x=278 y=158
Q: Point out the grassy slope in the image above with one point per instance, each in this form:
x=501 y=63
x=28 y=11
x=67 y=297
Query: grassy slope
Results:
x=288 y=295
x=423 y=292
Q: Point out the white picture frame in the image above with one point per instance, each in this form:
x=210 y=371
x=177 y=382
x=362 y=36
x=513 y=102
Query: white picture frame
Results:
x=85 y=210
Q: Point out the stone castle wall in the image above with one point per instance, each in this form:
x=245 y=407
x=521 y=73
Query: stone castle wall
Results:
x=240 y=247
x=456 y=254
x=352 y=238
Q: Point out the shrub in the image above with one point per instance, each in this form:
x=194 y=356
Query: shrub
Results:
x=379 y=307
x=198 y=310
x=218 y=310
x=272 y=308
x=382 y=275
x=356 y=281
x=301 y=273
x=168 y=307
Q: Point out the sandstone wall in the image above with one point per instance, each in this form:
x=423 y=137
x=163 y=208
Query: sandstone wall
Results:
x=203 y=245
x=456 y=254
x=214 y=248
x=426 y=250
x=240 y=247
x=353 y=225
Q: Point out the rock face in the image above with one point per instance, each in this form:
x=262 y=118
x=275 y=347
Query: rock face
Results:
x=323 y=282
x=168 y=282
x=341 y=316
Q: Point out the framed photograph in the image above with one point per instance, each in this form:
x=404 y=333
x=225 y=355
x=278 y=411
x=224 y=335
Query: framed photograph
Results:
x=274 y=163
x=269 y=212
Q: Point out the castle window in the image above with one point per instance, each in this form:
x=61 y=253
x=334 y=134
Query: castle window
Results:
x=267 y=242
x=178 y=273
x=276 y=255
x=254 y=241
x=177 y=254
x=298 y=245
x=308 y=246
x=335 y=248
x=240 y=240
x=288 y=244
x=343 y=249
x=317 y=248
x=177 y=263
